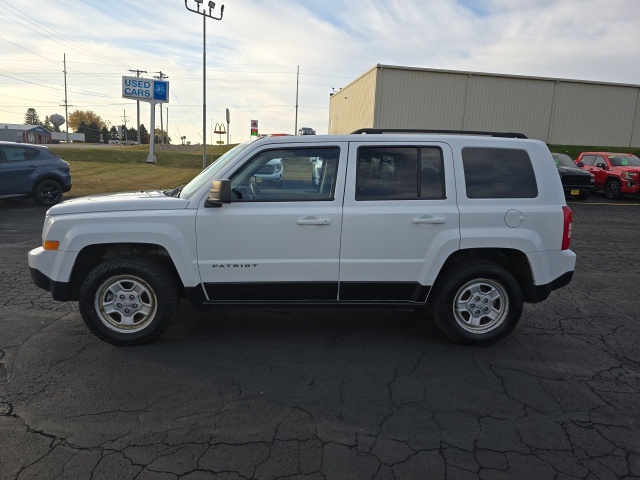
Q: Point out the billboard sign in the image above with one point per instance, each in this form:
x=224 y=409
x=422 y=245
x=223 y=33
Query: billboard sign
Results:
x=145 y=89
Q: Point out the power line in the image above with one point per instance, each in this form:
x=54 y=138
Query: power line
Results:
x=83 y=49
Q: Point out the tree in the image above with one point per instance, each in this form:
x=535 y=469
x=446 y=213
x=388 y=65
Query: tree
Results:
x=31 y=117
x=132 y=134
x=160 y=135
x=105 y=134
x=47 y=124
x=87 y=116
x=82 y=128
x=144 y=134
x=113 y=133
x=92 y=135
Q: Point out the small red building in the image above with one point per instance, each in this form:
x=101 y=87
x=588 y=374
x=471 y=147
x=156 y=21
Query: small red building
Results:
x=15 y=132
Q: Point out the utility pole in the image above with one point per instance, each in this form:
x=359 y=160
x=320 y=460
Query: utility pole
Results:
x=65 y=104
x=138 y=72
x=161 y=76
x=295 y=131
x=205 y=15
x=124 y=119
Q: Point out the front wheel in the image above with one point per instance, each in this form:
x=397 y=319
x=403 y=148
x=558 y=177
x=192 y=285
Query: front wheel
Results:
x=128 y=301
x=612 y=190
x=477 y=303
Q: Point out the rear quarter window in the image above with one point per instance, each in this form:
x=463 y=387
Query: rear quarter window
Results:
x=498 y=173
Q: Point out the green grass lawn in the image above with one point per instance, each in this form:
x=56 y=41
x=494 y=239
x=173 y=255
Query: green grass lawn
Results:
x=124 y=169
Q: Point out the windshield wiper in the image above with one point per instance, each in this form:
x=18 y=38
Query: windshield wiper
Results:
x=174 y=192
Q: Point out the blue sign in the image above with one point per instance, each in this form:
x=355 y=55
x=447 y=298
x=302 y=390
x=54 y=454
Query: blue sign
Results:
x=160 y=91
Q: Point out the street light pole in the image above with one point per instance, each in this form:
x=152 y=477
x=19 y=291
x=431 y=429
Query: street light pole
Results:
x=205 y=15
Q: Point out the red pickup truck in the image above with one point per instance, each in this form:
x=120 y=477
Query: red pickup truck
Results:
x=615 y=173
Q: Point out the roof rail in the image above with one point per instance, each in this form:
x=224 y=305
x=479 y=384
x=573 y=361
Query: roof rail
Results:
x=377 y=131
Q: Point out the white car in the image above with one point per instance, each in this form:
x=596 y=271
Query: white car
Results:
x=316 y=170
x=469 y=226
x=272 y=171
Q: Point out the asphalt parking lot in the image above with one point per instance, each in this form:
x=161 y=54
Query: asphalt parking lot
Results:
x=328 y=393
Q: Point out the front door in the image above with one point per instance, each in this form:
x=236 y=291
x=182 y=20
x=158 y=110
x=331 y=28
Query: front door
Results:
x=279 y=239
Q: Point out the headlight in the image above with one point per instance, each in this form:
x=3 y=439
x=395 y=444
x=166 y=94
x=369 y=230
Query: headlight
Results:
x=630 y=175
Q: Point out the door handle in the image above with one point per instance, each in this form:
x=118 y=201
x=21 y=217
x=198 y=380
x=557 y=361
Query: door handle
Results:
x=313 y=221
x=428 y=220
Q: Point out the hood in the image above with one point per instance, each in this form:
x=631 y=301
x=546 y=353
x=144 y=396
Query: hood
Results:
x=150 y=200
x=627 y=168
x=572 y=170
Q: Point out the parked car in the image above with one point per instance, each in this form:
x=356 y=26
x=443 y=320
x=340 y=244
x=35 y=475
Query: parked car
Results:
x=306 y=131
x=32 y=171
x=272 y=171
x=614 y=173
x=575 y=181
x=467 y=227
x=316 y=170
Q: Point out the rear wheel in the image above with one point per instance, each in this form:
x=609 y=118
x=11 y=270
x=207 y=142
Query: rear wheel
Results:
x=128 y=301
x=612 y=190
x=477 y=303
x=47 y=192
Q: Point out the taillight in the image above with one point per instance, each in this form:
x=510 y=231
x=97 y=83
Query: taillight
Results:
x=568 y=222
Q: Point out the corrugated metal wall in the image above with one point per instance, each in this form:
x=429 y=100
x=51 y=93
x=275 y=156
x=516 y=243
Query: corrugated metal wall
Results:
x=411 y=99
x=353 y=106
x=553 y=110
x=592 y=114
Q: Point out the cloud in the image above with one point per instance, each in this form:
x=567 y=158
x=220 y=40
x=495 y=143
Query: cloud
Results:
x=252 y=54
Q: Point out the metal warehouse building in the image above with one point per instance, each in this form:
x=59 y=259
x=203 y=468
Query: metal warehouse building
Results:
x=556 y=111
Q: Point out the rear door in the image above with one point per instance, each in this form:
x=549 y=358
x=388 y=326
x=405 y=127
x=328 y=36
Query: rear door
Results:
x=399 y=220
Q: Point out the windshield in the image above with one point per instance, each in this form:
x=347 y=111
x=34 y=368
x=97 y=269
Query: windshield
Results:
x=563 y=160
x=624 y=160
x=206 y=176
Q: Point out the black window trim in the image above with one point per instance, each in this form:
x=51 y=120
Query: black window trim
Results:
x=419 y=148
x=331 y=198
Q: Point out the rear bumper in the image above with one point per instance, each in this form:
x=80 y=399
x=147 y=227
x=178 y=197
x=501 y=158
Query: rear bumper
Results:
x=542 y=292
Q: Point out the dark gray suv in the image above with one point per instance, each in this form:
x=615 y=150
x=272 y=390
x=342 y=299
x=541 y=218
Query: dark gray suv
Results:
x=33 y=171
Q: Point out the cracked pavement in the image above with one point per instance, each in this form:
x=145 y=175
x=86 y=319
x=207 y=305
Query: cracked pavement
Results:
x=327 y=393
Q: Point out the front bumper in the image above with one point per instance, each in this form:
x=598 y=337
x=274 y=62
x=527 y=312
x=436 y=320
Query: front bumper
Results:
x=59 y=291
x=49 y=271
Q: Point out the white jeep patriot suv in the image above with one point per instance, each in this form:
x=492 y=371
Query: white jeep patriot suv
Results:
x=468 y=225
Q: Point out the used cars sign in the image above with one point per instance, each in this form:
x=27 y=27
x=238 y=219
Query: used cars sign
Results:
x=145 y=89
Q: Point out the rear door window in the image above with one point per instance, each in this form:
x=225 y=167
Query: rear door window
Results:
x=18 y=154
x=498 y=173
x=399 y=173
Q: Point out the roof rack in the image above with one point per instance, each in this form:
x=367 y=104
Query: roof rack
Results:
x=377 y=131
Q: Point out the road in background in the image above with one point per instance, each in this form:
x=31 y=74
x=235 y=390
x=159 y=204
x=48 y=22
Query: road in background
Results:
x=328 y=393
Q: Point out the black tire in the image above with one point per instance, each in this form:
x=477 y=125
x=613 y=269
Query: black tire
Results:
x=497 y=311
x=612 y=190
x=149 y=298
x=47 y=192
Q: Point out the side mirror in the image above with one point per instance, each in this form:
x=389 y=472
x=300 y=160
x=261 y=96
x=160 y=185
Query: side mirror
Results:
x=602 y=166
x=580 y=164
x=219 y=194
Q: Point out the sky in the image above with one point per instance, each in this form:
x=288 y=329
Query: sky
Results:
x=253 y=53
